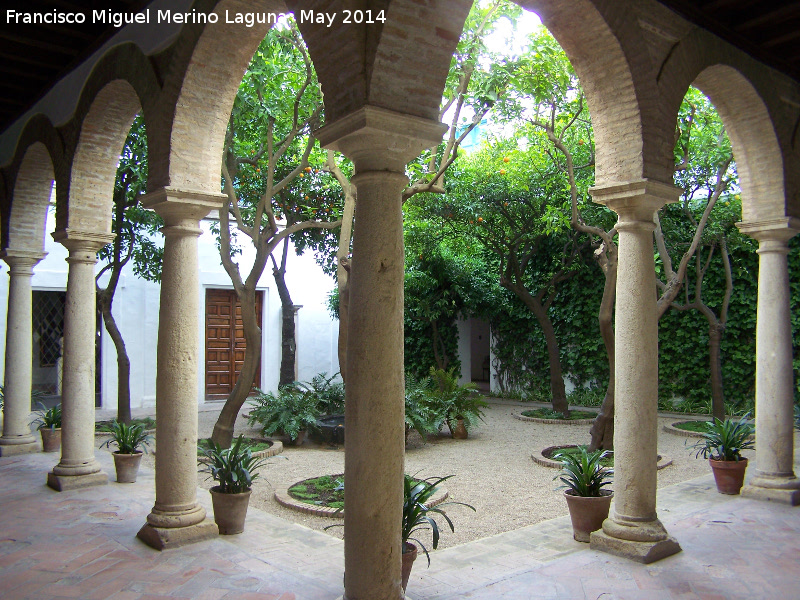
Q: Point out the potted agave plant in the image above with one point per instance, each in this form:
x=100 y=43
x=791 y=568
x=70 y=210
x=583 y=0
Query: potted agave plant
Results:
x=48 y=422
x=418 y=516
x=721 y=444
x=131 y=440
x=583 y=477
x=234 y=469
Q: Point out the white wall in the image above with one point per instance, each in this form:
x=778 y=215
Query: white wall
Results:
x=136 y=311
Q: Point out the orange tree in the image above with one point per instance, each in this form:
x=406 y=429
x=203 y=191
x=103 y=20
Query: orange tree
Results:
x=510 y=203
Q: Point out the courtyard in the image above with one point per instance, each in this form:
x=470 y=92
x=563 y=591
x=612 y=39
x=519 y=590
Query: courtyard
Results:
x=82 y=543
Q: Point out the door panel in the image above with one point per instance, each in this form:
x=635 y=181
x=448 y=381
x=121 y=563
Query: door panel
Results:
x=225 y=343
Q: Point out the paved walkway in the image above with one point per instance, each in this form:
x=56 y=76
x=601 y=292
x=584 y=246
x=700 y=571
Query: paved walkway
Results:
x=82 y=544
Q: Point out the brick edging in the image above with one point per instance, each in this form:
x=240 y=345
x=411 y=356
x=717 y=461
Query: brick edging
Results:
x=670 y=428
x=284 y=499
x=540 y=459
x=522 y=417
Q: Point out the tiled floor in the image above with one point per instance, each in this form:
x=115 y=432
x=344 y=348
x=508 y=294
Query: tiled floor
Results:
x=82 y=544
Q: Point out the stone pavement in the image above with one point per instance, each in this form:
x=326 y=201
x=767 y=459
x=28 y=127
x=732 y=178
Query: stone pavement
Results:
x=82 y=544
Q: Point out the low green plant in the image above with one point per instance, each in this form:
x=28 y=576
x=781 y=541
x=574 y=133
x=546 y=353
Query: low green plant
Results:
x=549 y=413
x=328 y=391
x=418 y=514
x=292 y=410
x=725 y=440
x=452 y=401
x=47 y=418
x=327 y=490
x=695 y=426
x=129 y=439
x=234 y=468
x=419 y=414
x=582 y=472
x=797 y=416
x=586 y=396
x=695 y=406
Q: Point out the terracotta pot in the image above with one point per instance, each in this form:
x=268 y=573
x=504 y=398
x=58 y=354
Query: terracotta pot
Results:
x=127 y=466
x=230 y=510
x=729 y=475
x=51 y=439
x=459 y=432
x=409 y=556
x=587 y=513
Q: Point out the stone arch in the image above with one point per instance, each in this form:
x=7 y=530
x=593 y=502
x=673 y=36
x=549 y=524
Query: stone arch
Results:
x=37 y=164
x=208 y=70
x=122 y=84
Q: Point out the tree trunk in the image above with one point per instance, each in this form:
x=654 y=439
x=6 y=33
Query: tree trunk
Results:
x=557 y=389
x=715 y=331
x=344 y=309
x=441 y=357
x=123 y=362
x=223 y=429
x=602 y=431
x=288 y=340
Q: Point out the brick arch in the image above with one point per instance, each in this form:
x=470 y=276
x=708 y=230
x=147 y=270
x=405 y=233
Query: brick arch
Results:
x=747 y=99
x=37 y=164
x=755 y=145
x=210 y=62
x=604 y=44
x=122 y=84
x=339 y=55
x=102 y=134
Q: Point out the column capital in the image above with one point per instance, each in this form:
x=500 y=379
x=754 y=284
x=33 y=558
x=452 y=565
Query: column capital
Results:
x=82 y=241
x=24 y=259
x=176 y=205
x=377 y=139
x=636 y=202
x=779 y=230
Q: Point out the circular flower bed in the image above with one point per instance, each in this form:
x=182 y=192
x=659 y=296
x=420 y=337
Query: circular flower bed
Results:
x=324 y=496
x=259 y=447
x=546 y=415
x=686 y=428
x=545 y=457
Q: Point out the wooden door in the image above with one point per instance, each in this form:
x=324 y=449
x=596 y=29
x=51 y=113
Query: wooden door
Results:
x=225 y=343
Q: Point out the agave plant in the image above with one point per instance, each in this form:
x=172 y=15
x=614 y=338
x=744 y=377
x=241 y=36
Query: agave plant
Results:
x=418 y=514
x=233 y=468
x=129 y=439
x=582 y=472
x=724 y=440
x=47 y=418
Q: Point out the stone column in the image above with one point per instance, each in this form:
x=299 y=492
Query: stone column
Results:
x=17 y=437
x=774 y=477
x=633 y=530
x=380 y=143
x=78 y=467
x=176 y=518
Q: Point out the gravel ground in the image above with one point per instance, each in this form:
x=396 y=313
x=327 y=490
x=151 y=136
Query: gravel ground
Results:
x=493 y=471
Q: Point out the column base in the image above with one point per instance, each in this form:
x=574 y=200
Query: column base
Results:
x=162 y=538
x=643 y=552
x=63 y=483
x=12 y=447
x=784 y=495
